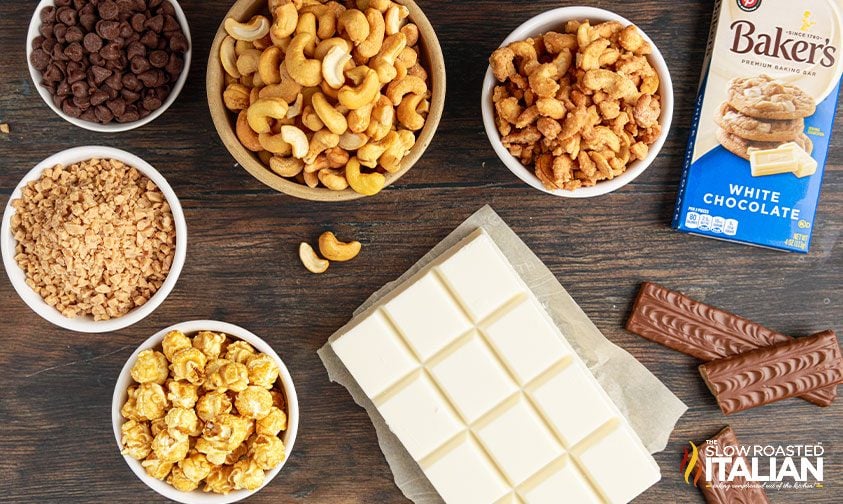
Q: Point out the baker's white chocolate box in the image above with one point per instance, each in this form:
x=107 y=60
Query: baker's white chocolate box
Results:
x=473 y=377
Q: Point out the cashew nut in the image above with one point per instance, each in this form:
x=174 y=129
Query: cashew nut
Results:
x=359 y=119
x=307 y=24
x=286 y=166
x=384 y=62
x=383 y=117
x=380 y=5
x=363 y=94
x=369 y=154
x=373 y=42
x=327 y=17
x=337 y=157
x=332 y=179
x=245 y=134
x=296 y=108
x=352 y=141
x=407 y=113
x=333 y=65
x=310 y=119
x=310 y=178
x=264 y=156
x=329 y=116
x=255 y=28
x=367 y=184
x=320 y=163
x=311 y=261
x=269 y=65
x=395 y=152
x=228 y=57
x=353 y=23
x=306 y=72
x=334 y=250
x=321 y=141
x=236 y=97
x=247 y=62
x=286 y=20
x=410 y=84
x=326 y=45
x=394 y=18
x=260 y=112
x=297 y=139
x=411 y=31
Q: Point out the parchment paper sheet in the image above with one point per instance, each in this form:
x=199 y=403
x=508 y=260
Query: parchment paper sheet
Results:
x=645 y=401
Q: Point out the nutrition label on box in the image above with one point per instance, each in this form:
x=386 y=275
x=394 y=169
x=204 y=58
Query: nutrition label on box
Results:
x=715 y=224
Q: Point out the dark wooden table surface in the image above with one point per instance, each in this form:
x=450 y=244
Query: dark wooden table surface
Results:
x=56 y=442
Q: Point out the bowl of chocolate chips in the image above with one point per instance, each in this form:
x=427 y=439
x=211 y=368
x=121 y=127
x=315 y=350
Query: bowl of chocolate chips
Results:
x=108 y=65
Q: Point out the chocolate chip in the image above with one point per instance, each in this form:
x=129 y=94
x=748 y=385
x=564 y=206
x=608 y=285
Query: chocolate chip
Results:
x=96 y=59
x=100 y=74
x=126 y=7
x=99 y=97
x=88 y=8
x=135 y=49
x=111 y=51
x=71 y=109
x=158 y=59
x=46 y=30
x=80 y=3
x=137 y=22
x=74 y=34
x=88 y=21
x=89 y=115
x=162 y=92
x=108 y=10
x=103 y=114
x=117 y=106
x=63 y=88
x=151 y=103
x=171 y=24
x=149 y=78
x=139 y=64
x=115 y=82
x=131 y=82
x=59 y=31
x=74 y=52
x=92 y=42
x=155 y=23
x=178 y=43
x=129 y=96
x=154 y=3
x=62 y=3
x=53 y=73
x=48 y=14
x=83 y=102
x=37 y=42
x=108 y=30
x=79 y=88
x=167 y=8
x=76 y=74
x=126 y=30
x=149 y=39
x=67 y=15
x=175 y=65
x=39 y=59
x=48 y=45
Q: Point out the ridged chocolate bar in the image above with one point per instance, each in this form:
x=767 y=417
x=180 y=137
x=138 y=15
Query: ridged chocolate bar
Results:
x=737 y=491
x=773 y=373
x=705 y=332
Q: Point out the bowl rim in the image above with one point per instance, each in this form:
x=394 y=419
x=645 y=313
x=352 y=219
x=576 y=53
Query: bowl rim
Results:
x=34 y=300
x=113 y=127
x=224 y=124
x=536 y=25
x=124 y=380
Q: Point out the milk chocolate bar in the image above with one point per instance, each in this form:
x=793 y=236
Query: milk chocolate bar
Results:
x=773 y=373
x=719 y=492
x=705 y=332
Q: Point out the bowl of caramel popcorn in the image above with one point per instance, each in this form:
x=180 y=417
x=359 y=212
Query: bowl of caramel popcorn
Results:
x=577 y=102
x=205 y=412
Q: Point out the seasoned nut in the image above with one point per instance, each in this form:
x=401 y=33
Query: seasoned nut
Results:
x=334 y=250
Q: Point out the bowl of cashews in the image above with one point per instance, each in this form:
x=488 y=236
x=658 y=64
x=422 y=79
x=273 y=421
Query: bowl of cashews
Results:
x=322 y=100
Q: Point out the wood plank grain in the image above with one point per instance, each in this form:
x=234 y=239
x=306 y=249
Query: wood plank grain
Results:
x=242 y=267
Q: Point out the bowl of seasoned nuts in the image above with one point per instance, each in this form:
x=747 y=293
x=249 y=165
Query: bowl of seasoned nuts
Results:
x=205 y=412
x=324 y=100
x=577 y=102
x=108 y=66
x=93 y=239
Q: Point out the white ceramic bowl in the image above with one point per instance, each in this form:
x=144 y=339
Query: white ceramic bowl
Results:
x=189 y=328
x=87 y=324
x=554 y=20
x=113 y=127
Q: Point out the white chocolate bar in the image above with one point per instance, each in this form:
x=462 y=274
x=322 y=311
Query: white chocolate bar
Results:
x=478 y=383
x=807 y=165
x=782 y=159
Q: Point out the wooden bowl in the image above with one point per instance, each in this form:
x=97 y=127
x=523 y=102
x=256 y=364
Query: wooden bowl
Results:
x=224 y=120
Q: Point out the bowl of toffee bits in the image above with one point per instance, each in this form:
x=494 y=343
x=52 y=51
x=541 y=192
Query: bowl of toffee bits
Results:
x=108 y=65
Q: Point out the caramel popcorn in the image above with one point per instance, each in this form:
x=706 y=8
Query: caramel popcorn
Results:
x=151 y=367
x=246 y=474
x=189 y=364
x=183 y=420
x=150 y=401
x=136 y=440
x=193 y=418
x=274 y=422
x=170 y=445
x=213 y=404
x=223 y=375
x=253 y=402
x=182 y=394
x=173 y=342
x=180 y=481
x=155 y=467
x=263 y=371
x=267 y=451
x=210 y=343
x=578 y=106
x=239 y=351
